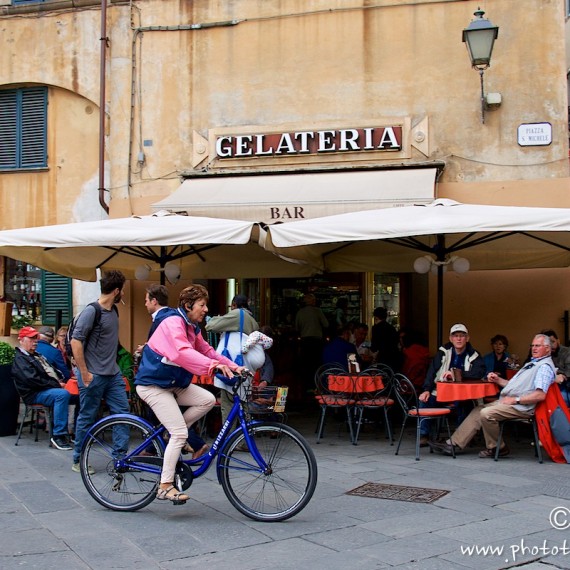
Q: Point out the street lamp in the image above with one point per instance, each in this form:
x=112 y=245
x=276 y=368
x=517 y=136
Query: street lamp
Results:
x=479 y=38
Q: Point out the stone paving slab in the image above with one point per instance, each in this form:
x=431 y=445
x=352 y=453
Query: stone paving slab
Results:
x=48 y=520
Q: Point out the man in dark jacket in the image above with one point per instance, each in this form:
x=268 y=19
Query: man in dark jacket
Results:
x=458 y=353
x=38 y=382
x=385 y=339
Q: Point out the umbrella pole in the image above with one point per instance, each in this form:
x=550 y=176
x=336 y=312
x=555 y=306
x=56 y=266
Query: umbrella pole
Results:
x=439 y=304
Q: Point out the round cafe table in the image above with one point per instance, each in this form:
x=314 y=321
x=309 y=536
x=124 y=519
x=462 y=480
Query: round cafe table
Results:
x=453 y=391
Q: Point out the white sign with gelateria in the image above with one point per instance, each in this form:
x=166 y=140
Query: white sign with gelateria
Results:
x=535 y=134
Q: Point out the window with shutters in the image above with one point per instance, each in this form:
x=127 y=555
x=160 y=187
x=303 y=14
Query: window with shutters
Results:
x=56 y=308
x=23 y=128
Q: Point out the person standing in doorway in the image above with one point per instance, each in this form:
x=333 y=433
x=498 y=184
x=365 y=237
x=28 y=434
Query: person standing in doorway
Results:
x=94 y=343
x=385 y=340
x=226 y=325
x=311 y=324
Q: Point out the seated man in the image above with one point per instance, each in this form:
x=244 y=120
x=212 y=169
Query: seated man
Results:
x=338 y=349
x=37 y=382
x=457 y=353
x=51 y=353
x=518 y=399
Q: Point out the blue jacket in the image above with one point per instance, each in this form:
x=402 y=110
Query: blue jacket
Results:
x=153 y=368
x=54 y=357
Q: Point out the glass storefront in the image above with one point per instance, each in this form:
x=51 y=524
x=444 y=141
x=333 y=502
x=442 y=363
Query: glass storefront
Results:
x=23 y=287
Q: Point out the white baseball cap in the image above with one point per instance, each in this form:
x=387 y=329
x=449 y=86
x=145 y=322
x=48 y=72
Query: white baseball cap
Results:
x=458 y=328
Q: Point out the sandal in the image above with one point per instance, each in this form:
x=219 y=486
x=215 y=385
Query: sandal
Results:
x=202 y=451
x=171 y=494
x=187 y=449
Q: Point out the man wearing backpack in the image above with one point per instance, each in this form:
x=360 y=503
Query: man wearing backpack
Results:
x=94 y=341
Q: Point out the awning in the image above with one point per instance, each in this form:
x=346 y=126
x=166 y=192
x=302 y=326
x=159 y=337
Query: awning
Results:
x=287 y=197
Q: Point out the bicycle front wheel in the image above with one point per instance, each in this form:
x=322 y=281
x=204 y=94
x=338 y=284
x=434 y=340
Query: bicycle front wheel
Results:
x=128 y=488
x=284 y=488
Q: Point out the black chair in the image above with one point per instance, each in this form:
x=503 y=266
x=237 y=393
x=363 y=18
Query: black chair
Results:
x=33 y=410
x=405 y=393
x=532 y=422
x=334 y=389
x=372 y=391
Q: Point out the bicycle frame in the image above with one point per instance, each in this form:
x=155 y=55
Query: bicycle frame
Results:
x=203 y=462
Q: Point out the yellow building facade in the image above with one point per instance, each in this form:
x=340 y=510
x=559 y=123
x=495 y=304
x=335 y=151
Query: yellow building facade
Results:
x=197 y=89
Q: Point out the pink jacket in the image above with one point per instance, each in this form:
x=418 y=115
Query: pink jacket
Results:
x=179 y=342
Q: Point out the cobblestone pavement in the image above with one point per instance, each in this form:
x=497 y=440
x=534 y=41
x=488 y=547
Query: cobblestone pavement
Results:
x=496 y=515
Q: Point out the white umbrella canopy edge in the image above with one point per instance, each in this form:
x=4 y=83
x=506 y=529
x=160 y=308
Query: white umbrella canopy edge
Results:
x=497 y=237
x=202 y=247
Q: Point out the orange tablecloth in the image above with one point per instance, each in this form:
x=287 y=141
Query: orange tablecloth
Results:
x=452 y=391
x=511 y=373
x=355 y=383
x=72 y=387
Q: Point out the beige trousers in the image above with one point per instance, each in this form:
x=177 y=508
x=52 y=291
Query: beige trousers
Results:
x=487 y=418
x=165 y=404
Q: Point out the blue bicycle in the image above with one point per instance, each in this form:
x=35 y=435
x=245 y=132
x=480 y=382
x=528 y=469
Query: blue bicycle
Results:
x=266 y=468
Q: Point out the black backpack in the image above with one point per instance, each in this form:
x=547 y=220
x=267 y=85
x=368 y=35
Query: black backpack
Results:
x=71 y=327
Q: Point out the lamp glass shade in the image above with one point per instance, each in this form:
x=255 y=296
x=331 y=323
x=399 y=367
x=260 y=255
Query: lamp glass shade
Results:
x=479 y=38
x=142 y=272
x=422 y=264
x=460 y=265
x=172 y=272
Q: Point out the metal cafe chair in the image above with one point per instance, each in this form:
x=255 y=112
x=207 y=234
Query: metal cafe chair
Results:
x=34 y=410
x=407 y=397
x=334 y=390
x=372 y=391
x=532 y=422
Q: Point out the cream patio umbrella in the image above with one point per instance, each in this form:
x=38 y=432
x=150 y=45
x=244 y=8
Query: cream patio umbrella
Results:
x=193 y=247
x=401 y=239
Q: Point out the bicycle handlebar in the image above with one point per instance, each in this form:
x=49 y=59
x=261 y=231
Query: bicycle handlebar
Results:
x=236 y=381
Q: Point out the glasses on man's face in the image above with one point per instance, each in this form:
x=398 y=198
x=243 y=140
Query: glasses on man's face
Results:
x=537 y=345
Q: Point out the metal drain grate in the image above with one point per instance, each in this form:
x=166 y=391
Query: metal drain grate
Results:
x=398 y=493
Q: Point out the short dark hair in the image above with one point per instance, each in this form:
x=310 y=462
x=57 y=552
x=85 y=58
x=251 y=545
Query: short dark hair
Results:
x=361 y=326
x=190 y=295
x=241 y=302
x=549 y=332
x=159 y=293
x=380 y=313
x=111 y=280
x=500 y=338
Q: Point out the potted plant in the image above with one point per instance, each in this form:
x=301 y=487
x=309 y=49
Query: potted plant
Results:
x=9 y=398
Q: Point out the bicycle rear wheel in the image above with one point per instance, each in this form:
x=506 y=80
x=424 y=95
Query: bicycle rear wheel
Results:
x=124 y=489
x=287 y=485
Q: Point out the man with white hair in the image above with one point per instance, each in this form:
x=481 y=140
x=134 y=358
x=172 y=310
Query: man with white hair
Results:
x=519 y=397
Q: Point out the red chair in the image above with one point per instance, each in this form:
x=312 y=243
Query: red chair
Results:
x=407 y=397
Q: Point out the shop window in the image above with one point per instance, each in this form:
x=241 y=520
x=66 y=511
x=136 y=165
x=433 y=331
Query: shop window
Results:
x=23 y=128
x=387 y=294
x=23 y=288
x=38 y=296
x=287 y=297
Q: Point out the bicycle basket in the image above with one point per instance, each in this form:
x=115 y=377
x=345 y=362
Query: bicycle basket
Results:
x=266 y=400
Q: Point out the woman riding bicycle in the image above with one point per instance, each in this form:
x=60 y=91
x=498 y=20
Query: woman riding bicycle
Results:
x=175 y=352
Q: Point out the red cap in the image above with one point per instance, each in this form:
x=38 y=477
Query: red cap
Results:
x=29 y=332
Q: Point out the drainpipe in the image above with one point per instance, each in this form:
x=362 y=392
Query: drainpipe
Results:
x=104 y=41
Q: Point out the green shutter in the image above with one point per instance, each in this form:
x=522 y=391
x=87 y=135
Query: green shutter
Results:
x=56 y=295
x=34 y=132
x=8 y=129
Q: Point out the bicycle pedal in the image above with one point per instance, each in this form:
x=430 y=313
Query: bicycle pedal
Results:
x=178 y=502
